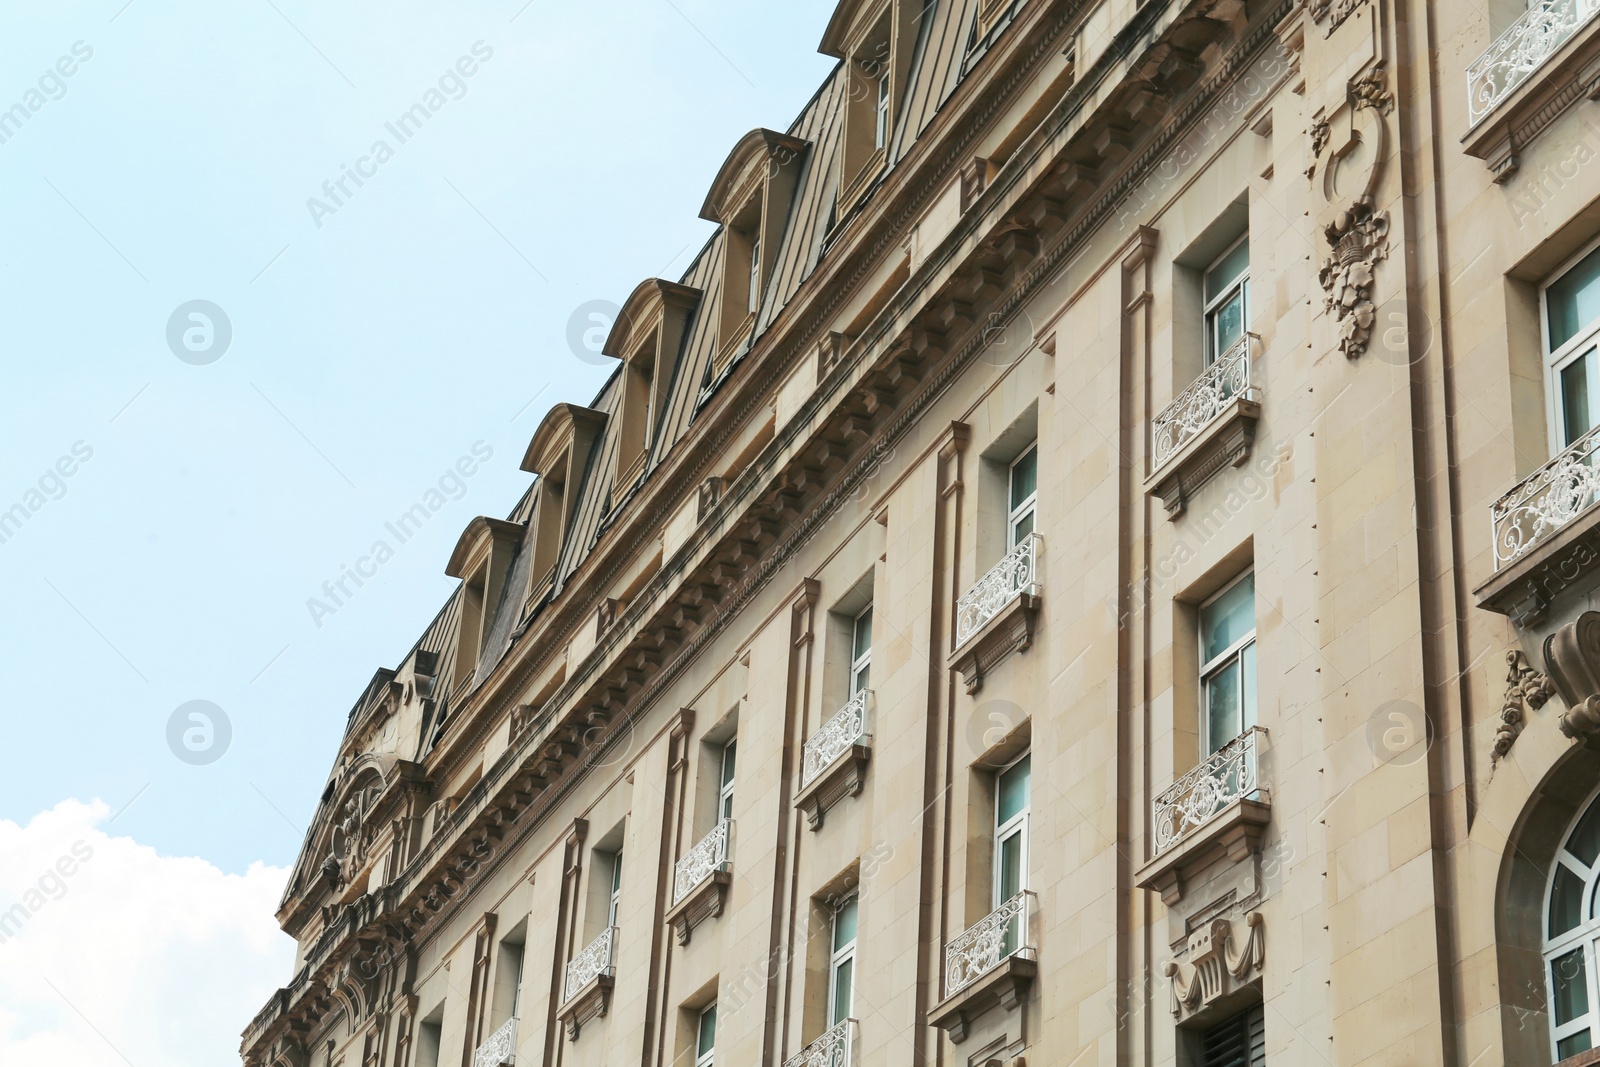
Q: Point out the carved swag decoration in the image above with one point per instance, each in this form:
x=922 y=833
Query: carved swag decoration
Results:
x=1214 y=968
x=1524 y=687
x=1334 y=12
x=1358 y=236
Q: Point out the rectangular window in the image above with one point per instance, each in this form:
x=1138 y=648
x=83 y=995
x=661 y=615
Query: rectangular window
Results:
x=1228 y=662
x=705 y=1045
x=1227 y=300
x=725 y=788
x=616 y=889
x=881 y=124
x=861 y=652
x=1024 y=496
x=755 y=276
x=1572 y=330
x=1237 y=1042
x=842 y=963
x=1011 y=812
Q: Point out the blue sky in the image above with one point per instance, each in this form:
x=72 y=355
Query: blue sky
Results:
x=371 y=347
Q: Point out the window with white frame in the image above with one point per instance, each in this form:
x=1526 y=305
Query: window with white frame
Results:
x=725 y=782
x=1572 y=928
x=1227 y=299
x=755 y=275
x=1011 y=813
x=861 y=652
x=705 y=1042
x=615 y=903
x=1228 y=662
x=842 y=963
x=880 y=130
x=1023 y=496
x=1571 y=333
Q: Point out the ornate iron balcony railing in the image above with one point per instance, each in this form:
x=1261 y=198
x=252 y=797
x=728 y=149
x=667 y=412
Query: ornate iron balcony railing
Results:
x=705 y=859
x=499 y=1048
x=834 y=738
x=1226 y=775
x=598 y=957
x=996 y=937
x=1547 y=499
x=832 y=1049
x=1017 y=573
x=1198 y=406
x=1522 y=50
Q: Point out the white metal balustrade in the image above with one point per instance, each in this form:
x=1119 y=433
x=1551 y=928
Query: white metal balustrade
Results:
x=1522 y=50
x=1013 y=576
x=1202 y=403
x=833 y=1049
x=500 y=1048
x=598 y=957
x=835 y=737
x=708 y=856
x=983 y=946
x=1546 y=500
x=1227 y=775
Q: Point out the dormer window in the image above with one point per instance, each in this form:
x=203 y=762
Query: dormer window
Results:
x=481 y=559
x=750 y=201
x=647 y=337
x=875 y=39
x=559 y=455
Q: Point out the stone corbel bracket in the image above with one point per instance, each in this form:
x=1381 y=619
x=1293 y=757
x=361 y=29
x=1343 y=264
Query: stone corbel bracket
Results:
x=1572 y=657
x=1214 y=969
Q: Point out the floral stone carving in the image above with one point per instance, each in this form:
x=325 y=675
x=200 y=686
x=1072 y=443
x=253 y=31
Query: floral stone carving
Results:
x=1524 y=686
x=1359 y=237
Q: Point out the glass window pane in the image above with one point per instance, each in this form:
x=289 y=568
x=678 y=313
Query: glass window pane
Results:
x=1022 y=528
x=1024 y=477
x=862 y=680
x=1566 y=901
x=1571 y=1046
x=844 y=924
x=1247 y=686
x=708 y=1030
x=1585 y=840
x=1576 y=418
x=1010 y=867
x=842 y=977
x=1574 y=300
x=1222 y=707
x=1569 y=986
x=1224 y=274
x=1228 y=618
x=1228 y=323
x=1014 y=789
x=863 y=639
x=727 y=762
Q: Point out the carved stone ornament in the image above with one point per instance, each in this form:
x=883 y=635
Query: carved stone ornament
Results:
x=1213 y=968
x=1572 y=656
x=1360 y=240
x=1334 y=12
x=1524 y=686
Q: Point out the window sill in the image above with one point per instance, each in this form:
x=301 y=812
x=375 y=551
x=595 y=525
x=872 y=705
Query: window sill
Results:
x=704 y=901
x=1226 y=441
x=1011 y=630
x=844 y=777
x=1006 y=987
x=1232 y=835
x=1525 y=590
x=1582 y=1059
x=1567 y=76
x=590 y=1002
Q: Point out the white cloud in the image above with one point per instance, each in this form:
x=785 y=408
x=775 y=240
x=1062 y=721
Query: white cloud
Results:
x=120 y=956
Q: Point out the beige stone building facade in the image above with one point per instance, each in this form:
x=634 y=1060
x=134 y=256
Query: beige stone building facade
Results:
x=1191 y=401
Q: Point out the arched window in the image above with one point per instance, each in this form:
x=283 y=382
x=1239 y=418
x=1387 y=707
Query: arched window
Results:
x=1572 y=935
